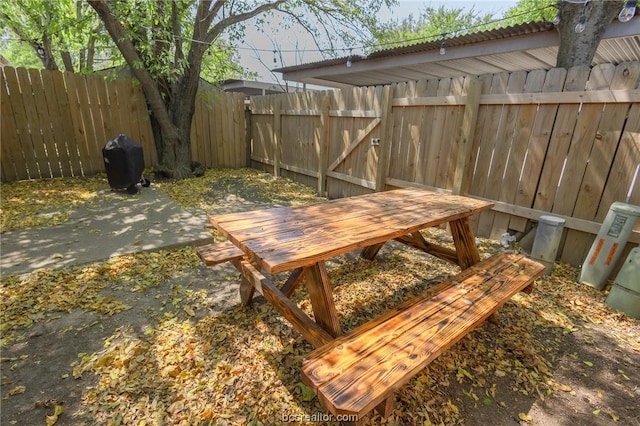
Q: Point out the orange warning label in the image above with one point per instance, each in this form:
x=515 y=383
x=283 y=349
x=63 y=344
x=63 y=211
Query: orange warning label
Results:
x=611 y=253
x=596 y=252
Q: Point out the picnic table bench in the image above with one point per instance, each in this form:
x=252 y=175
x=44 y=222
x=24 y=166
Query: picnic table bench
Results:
x=354 y=373
x=362 y=370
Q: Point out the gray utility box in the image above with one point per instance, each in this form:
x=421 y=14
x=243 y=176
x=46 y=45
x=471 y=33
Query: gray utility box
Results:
x=547 y=241
x=625 y=293
x=609 y=244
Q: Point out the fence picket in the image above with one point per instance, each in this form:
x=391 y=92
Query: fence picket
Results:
x=28 y=167
x=479 y=184
x=564 y=125
x=67 y=139
x=9 y=134
x=522 y=132
x=426 y=141
x=38 y=118
x=541 y=132
x=89 y=163
x=450 y=134
x=501 y=153
x=605 y=144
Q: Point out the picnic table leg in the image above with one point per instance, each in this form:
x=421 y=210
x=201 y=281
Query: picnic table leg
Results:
x=292 y=282
x=465 y=242
x=369 y=253
x=246 y=292
x=324 y=310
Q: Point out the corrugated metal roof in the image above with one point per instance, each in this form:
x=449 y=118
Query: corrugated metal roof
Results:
x=521 y=47
x=500 y=33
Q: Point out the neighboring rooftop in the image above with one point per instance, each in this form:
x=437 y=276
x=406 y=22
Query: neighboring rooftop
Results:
x=522 y=47
x=252 y=88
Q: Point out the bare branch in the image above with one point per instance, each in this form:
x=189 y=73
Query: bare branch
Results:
x=234 y=19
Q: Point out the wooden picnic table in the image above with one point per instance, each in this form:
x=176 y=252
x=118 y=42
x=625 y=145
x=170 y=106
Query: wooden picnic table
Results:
x=301 y=238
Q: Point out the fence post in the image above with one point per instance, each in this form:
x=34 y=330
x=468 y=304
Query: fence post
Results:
x=247 y=132
x=385 y=138
x=469 y=120
x=323 y=152
x=276 y=137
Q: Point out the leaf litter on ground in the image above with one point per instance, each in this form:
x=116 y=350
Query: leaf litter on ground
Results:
x=242 y=366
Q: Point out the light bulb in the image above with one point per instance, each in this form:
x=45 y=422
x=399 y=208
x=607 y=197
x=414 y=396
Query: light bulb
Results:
x=349 y=62
x=628 y=11
x=580 y=26
x=443 y=48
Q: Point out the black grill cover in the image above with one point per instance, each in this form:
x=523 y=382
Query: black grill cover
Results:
x=123 y=162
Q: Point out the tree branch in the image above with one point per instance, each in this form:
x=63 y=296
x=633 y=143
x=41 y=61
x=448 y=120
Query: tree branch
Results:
x=218 y=28
x=128 y=50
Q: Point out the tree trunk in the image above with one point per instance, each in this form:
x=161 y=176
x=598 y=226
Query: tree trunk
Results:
x=171 y=120
x=67 y=61
x=44 y=52
x=89 y=54
x=579 y=48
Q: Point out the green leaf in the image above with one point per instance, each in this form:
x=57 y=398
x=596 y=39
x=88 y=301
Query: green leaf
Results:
x=307 y=393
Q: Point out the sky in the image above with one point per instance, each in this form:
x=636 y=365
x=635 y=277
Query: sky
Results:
x=256 y=54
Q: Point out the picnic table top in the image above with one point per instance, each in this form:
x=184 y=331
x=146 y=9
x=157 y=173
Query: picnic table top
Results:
x=284 y=238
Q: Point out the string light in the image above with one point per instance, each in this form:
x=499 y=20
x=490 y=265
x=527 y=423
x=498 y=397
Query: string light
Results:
x=558 y=17
x=628 y=11
x=275 y=61
x=443 y=47
x=349 y=59
x=581 y=25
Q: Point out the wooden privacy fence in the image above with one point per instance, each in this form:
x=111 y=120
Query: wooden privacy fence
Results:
x=55 y=124
x=562 y=142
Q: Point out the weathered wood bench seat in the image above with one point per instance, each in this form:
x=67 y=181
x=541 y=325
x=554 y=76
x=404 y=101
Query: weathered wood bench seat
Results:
x=361 y=370
x=215 y=253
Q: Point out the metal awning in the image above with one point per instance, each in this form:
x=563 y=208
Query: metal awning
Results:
x=522 y=47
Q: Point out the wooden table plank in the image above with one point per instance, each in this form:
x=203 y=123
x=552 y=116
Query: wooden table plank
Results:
x=319 y=245
x=285 y=238
x=320 y=212
x=283 y=218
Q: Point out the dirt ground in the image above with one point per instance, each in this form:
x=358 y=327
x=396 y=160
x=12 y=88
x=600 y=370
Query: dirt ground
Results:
x=143 y=341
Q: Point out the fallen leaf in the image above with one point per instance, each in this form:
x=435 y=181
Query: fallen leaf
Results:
x=17 y=390
x=307 y=393
x=624 y=376
x=57 y=412
x=525 y=417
